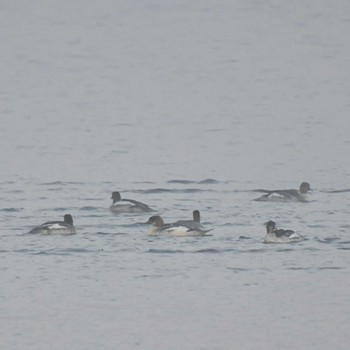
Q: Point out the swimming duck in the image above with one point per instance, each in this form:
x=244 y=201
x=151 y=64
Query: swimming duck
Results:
x=274 y=235
x=286 y=195
x=124 y=205
x=177 y=230
x=193 y=224
x=56 y=227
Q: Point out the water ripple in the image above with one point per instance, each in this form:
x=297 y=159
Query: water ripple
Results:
x=187 y=182
x=11 y=210
x=164 y=251
x=213 y=250
x=168 y=190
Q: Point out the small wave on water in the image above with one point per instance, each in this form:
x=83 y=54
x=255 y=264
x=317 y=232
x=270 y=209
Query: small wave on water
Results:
x=337 y=191
x=284 y=250
x=25 y=251
x=254 y=250
x=343 y=245
x=114 y=233
x=101 y=233
x=11 y=210
x=215 y=250
x=188 y=182
x=327 y=240
x=344 y=242
x=314 y=268
x=244 y=238
x=164 y=251
x=199 y=251
x=61 y=183
x=64 y=209
x=168 y=190
x=180 y=190
x=64 y=251
x=91 y=208
x=238 y=269
x=14 y=191
x=209 y=181
x=59 y=209
x=93 y=215
x=182 y=182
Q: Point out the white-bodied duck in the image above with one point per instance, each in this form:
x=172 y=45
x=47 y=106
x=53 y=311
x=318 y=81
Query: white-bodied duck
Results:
x=64 y=227
x=176 y=230
x=275 y=235
x=125 y=205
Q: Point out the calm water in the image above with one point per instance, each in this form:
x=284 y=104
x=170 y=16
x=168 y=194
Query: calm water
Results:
x=181 y=106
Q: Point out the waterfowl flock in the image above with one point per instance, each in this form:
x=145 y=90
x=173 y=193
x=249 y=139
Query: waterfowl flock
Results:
x=185 y=228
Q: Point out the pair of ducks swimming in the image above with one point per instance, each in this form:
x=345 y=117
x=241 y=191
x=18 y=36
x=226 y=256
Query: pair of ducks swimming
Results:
x=183 y=228
x=273 y=234
x=158 y=227
x=193 y=228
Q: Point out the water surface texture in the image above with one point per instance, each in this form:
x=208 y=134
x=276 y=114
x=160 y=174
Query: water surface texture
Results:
x=181 y=105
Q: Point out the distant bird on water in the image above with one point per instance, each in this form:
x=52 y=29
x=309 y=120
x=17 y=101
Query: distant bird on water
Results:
x=291 y=195
x=176 y=230
x=274 y=235
x=56 y=227
x=125 y=205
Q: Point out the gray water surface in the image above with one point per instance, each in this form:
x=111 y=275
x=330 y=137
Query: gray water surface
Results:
x=182 y=106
